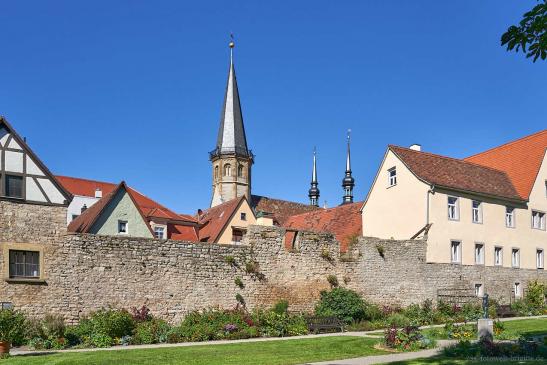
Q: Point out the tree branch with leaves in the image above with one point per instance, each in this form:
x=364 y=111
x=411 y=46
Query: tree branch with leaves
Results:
x=530 y=34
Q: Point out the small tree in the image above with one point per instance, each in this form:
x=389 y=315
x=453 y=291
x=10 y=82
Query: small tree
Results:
x=12 y=326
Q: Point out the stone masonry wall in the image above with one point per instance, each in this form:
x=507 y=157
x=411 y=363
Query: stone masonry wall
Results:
x=86 y=272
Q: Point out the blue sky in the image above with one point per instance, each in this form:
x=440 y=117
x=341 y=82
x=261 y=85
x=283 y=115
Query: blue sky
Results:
x=133 y=89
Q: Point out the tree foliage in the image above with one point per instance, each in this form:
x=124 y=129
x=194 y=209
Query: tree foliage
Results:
x=530 y=34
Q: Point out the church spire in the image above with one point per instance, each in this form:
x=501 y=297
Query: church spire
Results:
x=231 y=133
x=231 y=158
x=348 y=182
x=313 y=193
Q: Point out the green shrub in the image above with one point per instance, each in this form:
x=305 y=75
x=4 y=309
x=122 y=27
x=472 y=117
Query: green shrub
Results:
x=398 y=320
x=251 y=267
x=152 y=331
x=239 y=282
x=281 y=307
x=230 y=260
x=12 y=326
x=345 y=304
x=274 y=324
x=211 y=325
x=408 y=338
x=333 y=280
x=100 y=340
x=535 y=296
x=106 y=326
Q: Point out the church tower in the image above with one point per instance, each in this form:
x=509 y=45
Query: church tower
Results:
x=231 y=159
x=313 y=193
x=348 y=182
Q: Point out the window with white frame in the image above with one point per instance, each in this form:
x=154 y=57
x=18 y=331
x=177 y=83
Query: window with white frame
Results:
x=479 y=253
x=476 y=211
x=122 y=227
x=538 y=220
x=159 y=232
x=517 y=290
x=453 y=208
x=515 y=257
x=479 y=291
x=509 y=217
x=498 y=256
x=455 y=251
x=539 y=258
x=392 y=176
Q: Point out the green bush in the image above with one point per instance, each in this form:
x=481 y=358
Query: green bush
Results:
x=345 y=304
x=281 y=307
x=106 y=326
x=12 y=326
x=274 y=324
x=101 y=340
x=152 y=331
x=212 y=324
x=535 y=297
x=397 y=320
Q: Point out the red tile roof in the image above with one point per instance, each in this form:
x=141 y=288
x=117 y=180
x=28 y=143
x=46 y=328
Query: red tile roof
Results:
x=281 y=209
x=149 y=208
x=84 y=222
x=520 y=159
x=213 y=220
x=344 y=222
x=457 y=174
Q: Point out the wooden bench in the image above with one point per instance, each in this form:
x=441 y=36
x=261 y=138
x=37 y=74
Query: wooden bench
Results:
x=504 y=311
x=317 y=324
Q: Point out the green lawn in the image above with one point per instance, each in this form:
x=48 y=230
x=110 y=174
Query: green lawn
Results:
x=513 y=329
x=256 y=353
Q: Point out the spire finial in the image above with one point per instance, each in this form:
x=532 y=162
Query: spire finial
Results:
x=313 y=193
x=348 y=182
x=231 y=45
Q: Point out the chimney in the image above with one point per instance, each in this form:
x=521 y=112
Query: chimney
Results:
x=200 y=212
x=416 y=147
x=83 y=209
x=98 y=193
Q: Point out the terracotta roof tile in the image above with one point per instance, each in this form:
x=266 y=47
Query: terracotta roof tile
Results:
x=520 y=159
x=343 y=222
x=149 y=208
x=281 y=209
x=457 y=174
x=214 y=219
x=84 y=222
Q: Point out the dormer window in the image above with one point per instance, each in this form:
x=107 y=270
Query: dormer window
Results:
x=159 y=232
x=392 y=176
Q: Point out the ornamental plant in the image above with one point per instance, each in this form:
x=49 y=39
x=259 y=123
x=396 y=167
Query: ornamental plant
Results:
x=12 y=326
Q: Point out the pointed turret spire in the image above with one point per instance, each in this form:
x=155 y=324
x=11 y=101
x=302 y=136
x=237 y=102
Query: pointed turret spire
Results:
x=313 y=193
x=348 y=182
x=231 y=134
x=231 y=159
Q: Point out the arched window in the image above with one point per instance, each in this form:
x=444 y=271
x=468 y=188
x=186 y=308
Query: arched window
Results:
x=227 y=170
x=216 y=172
x=240 y=171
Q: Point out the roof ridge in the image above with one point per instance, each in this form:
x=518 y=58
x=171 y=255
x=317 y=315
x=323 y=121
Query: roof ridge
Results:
x=451 y=158
x=283 y=200
x=509 y=143
x=84 y=179
x=323 y=210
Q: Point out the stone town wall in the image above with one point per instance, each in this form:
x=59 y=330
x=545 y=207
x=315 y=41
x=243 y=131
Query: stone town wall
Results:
x=86 y=272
